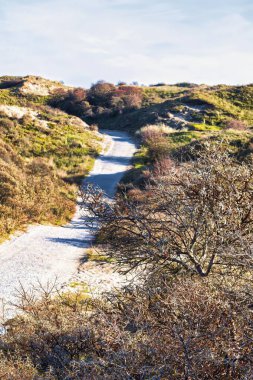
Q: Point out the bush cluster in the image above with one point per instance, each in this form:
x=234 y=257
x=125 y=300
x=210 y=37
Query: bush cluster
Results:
x=188 y=237
x=39 y=163
x=102 y=99
x=31 y=192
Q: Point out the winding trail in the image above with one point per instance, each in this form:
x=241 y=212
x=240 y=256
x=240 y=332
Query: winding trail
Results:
x=45 y=253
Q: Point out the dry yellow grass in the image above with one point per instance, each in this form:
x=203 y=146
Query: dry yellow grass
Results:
x=31 y=192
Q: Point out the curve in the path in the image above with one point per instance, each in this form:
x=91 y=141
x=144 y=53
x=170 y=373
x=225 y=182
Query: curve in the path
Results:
x=45 y=253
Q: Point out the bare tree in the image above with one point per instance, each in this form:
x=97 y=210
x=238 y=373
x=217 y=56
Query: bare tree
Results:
x=196 y=218
x=181 y=329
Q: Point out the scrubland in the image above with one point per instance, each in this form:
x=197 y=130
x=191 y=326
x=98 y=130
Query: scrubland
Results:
x=182 y=223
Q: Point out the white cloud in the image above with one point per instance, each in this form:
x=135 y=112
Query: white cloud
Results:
x=81 y=41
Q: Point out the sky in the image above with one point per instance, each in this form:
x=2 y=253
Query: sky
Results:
x=149 y=41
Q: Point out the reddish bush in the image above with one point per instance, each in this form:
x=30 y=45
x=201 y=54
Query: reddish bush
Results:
x=236 y=124
x=130 y=96
x=78 y=95
x=163 y=167
x=187 y=329
x=156 y=142
x=101 y=93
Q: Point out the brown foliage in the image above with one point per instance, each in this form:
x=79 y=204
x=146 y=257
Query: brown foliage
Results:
x=30 y=192
x=193 y=220
x=79 y=94
x=163 y=167
x=6 y=123
x=197 y=218
x=127 y=97
x=102 y=99
x=100 y=93
x=236 y=124
x=192 y=330
x=73 y=101
x=156 y=142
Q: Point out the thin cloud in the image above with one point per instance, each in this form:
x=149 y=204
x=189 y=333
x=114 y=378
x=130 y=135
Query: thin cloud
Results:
x=81 y=41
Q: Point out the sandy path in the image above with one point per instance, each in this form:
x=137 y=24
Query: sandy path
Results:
x=45 y=253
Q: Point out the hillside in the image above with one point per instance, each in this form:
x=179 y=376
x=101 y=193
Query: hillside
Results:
x=222 y=114
x=31 y=85
x=46 y=119
x=179 y=115
x=181 y=228
x=179 y=107
x=188 y=112
x=44 y=152
x=133 y=106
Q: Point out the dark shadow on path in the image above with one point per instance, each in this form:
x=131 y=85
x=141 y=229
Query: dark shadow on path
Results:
x=80 y=243
x=107 y=182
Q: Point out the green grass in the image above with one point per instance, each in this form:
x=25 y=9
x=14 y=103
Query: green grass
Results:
x=240 y=96
x=14 y=98
x=41 y=161
x=226 y=102
x=82 y=286
x=179 y=139
x=222 y=102
x=7 y=98
x=140 y=158
x=71 y=148
x=154 y=95
x=238 y=143
x=95 y=256
x=204 y=127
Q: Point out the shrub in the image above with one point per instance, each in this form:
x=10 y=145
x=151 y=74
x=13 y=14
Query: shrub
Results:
x=94 y=127
x=162 y=167
x=6 y=123
x=78 y=94
x=127 y=97
x=155 y=140
x=236 y=124
x=100 y=93
x=160 y=128
x=183 y=329
x=30 y=192
x=193 y=219
x=27 y=120
x=33 y=161
x=73 y=101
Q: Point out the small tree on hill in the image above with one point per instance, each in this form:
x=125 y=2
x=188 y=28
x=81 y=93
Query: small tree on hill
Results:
x=101 y=93
x=127 y=97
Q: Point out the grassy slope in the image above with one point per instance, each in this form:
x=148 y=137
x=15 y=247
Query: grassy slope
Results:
x=219 y=104
x=225 y=101
x=41 y=158
x=216 y=105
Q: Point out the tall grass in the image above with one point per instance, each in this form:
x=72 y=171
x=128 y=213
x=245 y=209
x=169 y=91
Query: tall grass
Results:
x=42 y=160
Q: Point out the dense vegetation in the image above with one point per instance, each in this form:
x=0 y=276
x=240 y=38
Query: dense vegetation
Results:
x=132 y=107
x=43 y=152
x=189 y=315
x=183 y=112
x=182 y=223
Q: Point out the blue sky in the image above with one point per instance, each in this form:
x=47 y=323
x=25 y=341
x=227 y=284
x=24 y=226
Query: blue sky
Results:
x=82 y=41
